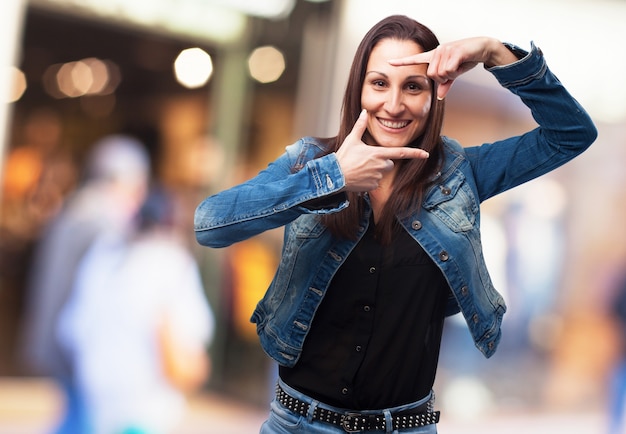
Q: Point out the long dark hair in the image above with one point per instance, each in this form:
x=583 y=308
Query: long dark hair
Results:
x=413 y=175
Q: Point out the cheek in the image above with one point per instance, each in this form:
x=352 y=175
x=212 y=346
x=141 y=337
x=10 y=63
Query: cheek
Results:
x=421 y=114
x=368 y=102
x=424 y=108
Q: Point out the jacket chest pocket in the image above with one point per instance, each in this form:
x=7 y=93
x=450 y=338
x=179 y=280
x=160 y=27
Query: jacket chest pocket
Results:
x=453 y=202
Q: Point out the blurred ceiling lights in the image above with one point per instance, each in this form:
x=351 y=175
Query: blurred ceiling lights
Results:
x=193 y=68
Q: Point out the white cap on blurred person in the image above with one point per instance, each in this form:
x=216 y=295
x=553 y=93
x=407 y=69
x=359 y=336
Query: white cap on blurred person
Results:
x=117 y=180
x=118 y=158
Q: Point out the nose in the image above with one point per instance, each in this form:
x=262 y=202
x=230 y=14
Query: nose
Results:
x=394 y=104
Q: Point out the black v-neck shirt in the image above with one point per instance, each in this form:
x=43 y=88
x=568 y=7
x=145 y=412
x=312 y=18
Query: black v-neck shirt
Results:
x=375 y=339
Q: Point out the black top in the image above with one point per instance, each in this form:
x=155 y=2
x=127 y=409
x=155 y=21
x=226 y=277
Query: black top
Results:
x=374 y=342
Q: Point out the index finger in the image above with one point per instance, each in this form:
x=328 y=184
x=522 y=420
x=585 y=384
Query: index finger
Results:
x=415 y=59
x=403 y=153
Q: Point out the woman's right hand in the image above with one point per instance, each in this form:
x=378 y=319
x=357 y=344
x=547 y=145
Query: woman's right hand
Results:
x=364 y=166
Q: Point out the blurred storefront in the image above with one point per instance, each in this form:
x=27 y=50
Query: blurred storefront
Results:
x=93 y=68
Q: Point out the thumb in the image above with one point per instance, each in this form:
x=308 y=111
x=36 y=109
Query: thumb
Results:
x=443 y=89
x=360 y=125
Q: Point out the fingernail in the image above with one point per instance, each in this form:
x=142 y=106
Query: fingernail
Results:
x=440 y=98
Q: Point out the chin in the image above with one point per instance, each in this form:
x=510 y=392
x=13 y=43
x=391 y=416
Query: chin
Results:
x=391 y=143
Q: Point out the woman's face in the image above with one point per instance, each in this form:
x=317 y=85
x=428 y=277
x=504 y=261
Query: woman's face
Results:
x=397 y=98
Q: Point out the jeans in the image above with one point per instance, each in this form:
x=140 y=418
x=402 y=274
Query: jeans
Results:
x=75 y=419
x=617 y=399
x=283 y=421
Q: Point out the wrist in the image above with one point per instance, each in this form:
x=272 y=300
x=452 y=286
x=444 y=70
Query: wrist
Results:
x=500 y=55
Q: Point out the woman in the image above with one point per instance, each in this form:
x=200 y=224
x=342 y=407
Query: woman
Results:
x=382 y=236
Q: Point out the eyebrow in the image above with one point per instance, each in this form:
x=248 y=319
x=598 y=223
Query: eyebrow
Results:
x=410 y=77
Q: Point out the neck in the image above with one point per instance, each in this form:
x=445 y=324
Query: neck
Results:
x=380 y=196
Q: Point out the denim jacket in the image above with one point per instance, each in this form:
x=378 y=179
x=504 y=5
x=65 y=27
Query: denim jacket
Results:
x=447 y=225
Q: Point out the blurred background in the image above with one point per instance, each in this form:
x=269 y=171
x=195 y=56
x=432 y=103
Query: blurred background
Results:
x=217 y=88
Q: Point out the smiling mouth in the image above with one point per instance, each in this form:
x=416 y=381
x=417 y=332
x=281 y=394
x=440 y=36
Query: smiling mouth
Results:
x=396 y=125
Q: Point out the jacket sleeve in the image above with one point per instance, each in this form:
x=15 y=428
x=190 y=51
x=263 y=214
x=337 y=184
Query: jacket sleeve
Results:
x=273 y=198
x=564 y=129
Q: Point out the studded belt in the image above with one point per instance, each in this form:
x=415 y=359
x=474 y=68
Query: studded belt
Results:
x=358 y=422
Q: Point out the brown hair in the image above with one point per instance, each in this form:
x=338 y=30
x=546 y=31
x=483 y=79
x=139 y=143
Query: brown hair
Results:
x=413 y=175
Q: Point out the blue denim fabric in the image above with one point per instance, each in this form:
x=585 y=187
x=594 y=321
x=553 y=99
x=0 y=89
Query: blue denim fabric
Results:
x=284 y=421
x=617 y=399
x=447 y=225
x=75 y=417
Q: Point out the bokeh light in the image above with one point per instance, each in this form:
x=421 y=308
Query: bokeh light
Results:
x=17 y=77
x=193 y=68
x=74 y=79
x=90 y=76
x=266 y=64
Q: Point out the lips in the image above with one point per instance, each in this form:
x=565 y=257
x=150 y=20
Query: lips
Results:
x=396 y=125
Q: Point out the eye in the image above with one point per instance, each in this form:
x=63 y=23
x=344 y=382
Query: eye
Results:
x=378 y=83
x=415 y=87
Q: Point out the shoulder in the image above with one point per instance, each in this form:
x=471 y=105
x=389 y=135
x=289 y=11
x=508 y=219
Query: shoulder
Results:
x=308 y=148
x=310 y=143
x=451 y=146
x=453 y=153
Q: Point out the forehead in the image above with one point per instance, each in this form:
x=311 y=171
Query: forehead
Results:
x=389 y=48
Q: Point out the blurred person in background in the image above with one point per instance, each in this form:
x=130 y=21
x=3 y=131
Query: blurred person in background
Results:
x=137 y=326
x=617 y=389
x=382 y=237
x=115 y=185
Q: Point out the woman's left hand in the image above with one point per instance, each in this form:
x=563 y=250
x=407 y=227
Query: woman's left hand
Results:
x=448 y=61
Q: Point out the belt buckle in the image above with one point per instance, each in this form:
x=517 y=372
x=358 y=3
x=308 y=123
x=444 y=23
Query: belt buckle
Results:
x=348 y=422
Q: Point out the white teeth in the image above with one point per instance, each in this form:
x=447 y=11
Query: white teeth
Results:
x=397 y=125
